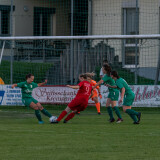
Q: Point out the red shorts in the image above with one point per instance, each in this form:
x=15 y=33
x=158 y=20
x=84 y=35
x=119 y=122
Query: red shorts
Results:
x=78 y=104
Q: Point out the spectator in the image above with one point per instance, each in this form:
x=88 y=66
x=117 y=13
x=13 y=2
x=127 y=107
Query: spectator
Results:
x=101 y=72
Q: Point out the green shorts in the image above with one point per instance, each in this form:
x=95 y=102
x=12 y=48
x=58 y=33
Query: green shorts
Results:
x=128 y=99
x=113 y=95
x=27 y=101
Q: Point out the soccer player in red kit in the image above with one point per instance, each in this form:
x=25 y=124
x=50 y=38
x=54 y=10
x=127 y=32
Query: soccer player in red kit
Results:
x=80 y=102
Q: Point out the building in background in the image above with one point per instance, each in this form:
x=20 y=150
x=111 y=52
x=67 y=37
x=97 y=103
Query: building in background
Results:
x=90 y=17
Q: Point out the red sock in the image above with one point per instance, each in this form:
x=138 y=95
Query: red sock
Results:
x=70 y=116
x=61 y=115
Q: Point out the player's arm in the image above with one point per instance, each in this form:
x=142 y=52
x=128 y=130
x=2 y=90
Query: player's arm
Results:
x=122 y=95
x=99 y=92
x=41 y=84
x=14 y=85
x=73 y=87
x=98 y=83
x=110 y=86
x=91 y=94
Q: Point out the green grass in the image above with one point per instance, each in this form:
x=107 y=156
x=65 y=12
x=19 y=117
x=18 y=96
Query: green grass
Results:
x=86 y=137
x=21 y=69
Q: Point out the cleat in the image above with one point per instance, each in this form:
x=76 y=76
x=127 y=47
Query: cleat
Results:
x=54 y=122
x=136 y=122
x=41 y=122
x=119 y=120
x=139 y=116
x=99 y=113
x=65 y=121
x=111 y=120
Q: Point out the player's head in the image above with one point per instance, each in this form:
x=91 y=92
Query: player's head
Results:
x=29 y=78
x=90 y=75
x=106 y=69
x=114 y=75
x=82 y=77
x=105 y=61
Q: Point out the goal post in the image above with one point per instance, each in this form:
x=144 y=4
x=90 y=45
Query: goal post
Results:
x=135 y=57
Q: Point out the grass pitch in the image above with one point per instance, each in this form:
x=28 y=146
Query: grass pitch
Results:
x=87 y=136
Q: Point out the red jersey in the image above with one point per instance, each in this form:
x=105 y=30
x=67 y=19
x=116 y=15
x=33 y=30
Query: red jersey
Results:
x=85 y=89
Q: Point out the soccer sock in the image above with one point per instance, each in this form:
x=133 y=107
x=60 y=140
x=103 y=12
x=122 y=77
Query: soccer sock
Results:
x=46 y=113
x=61 y=115
x=132 y=114
x=110 y=112
x=38 y=115
x=70 y=116
x=131 y=111
x=116 y=109
x=98 y=107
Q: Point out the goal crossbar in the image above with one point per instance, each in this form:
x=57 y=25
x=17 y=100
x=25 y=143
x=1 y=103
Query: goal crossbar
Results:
x=151 y=36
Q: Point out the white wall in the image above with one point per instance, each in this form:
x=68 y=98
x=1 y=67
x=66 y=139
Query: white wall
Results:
x=23 y=21
x=107 y=20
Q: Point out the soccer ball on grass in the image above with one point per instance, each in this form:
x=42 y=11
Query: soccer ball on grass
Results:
x=52 y=119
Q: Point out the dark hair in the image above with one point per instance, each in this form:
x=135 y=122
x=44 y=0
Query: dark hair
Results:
x=105 y=61
x=107 y=68
x=83 y=76
x=115 y=74
x=29 y=76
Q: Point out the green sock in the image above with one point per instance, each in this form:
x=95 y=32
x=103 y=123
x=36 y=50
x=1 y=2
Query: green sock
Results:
x=131 y=111
x=46 y=113
x=110 y=112
x=116 y=109
x=38 y=115
x=132 y=114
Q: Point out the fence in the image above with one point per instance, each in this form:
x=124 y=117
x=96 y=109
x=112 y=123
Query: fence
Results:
x=61 y=60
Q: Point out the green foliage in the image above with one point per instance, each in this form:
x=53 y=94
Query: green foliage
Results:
x=20 y=69
x=87 y=136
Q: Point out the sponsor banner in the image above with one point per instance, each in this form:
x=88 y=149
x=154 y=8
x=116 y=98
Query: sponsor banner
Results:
x=55 y=94
x=9 y=96
x=145 y=95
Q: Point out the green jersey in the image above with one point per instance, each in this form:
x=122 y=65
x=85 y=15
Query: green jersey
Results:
x=108 y=80
x=122 y=83
x=27 y=88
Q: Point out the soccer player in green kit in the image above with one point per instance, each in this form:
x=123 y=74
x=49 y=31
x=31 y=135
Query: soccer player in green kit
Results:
x=27 y=88
x=127 y=97
x=113 y=94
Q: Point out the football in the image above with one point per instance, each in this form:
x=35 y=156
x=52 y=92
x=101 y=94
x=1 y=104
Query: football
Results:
x=52 y=119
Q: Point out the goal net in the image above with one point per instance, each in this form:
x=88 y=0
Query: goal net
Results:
x=61 y=59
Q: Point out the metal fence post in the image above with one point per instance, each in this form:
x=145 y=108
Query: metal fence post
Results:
x=11 y=33
x=71 y=48
x=136 y=42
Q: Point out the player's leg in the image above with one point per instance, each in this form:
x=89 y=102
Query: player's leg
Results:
x=129 y=111
x=63 y=114
x=37 y=112
x=116 y=109
x=128 y=101
x=95 y=99
x=81 y=107
x=43 y=110
x=70 y=116
x=114 y=95
x=71 y=106
x=109 y=109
